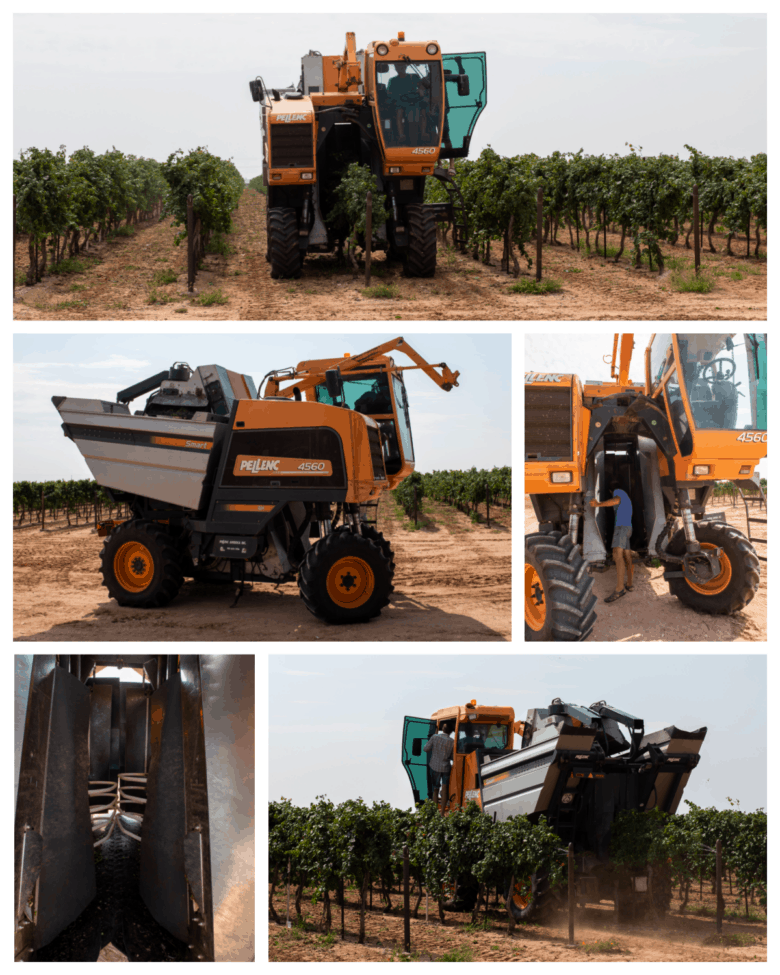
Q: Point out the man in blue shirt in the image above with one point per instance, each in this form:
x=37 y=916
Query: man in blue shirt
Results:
x=621 y=551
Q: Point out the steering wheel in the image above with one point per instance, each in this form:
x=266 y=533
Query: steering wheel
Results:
x=729 y=371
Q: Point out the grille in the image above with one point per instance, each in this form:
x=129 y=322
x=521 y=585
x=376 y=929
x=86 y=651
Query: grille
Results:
x=377 y=460
x=292 y=145
x=547 y=423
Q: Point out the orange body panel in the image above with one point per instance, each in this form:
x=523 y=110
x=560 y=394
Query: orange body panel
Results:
x=350 y=426
x=298 y=112
x=538 y=474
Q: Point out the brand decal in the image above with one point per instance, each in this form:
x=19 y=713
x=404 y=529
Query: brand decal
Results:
x=291 y=118
x=423 y=152
x=178 y=442
x=286 y=466
x=749 y=437
x=543 y=377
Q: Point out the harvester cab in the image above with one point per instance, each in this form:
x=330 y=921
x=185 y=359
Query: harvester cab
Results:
x=398 y=107
x=700 y=416
x=577 y=766
x=226 y=487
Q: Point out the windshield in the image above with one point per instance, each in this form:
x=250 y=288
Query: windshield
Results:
x=660 y=357
x=367 y=393
x=409 y=102
x=404 y=426
x=478 y=734
x=726 y=379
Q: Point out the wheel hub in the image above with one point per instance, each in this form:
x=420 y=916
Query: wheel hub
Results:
x=350 y=582
x=134 y=566
x=535 y=605
x=708 y=579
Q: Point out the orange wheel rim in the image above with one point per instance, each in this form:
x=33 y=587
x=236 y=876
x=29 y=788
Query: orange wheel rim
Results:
x=720 y=581
x=350 y=582
x=519 y=899
x=535 y=605
x=133 y=566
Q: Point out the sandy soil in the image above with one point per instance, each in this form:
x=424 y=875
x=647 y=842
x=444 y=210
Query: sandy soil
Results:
x=117 y=289
x=651 y=614
x=678 y=937
x=452 y=582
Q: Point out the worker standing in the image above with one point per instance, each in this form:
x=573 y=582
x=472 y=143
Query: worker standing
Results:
x=440 y=748
x=621 y=536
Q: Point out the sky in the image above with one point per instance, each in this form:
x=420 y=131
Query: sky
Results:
x=336 y=721
x=582 y=354
x=150 y=84
x=457 y=430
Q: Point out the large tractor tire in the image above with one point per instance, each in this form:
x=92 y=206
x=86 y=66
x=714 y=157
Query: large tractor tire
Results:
x=283 y=252
x=559 y=600
x=345 y=578
x=370 y=531
x=736 y=584
x=141 y=565
x=537 y=905
x=421 y=250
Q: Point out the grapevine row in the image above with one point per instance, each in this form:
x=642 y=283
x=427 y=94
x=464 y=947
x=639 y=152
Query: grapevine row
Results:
x=323 y=845
x=462 y=489
x=649 y=199
x=62 y=203
x=47 y=499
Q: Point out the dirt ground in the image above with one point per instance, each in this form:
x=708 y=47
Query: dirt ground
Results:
x=651 y=614
x=452 y=582
x=598 y=936
x=118 y=287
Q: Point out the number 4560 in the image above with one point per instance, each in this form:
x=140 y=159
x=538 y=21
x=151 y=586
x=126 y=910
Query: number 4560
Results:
x=752 y=437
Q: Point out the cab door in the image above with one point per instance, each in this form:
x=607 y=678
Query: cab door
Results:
x=417 y=731
x=465 y=97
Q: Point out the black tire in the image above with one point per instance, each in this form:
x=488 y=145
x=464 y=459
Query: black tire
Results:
x=370 y=531
x=539 y=906
x=559 y=601
x=421 y=250
x=283 y=251
x=141 y=565
x=345 y=578
x=741 y=573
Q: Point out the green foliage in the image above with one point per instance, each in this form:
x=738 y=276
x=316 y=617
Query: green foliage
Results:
x=256 y=184
x=164 y=276
x=216 y=187
x=529 y=286
x=460 y=488
x=349 y=208
x=381 y=291
x=213 y=297
x=690 y=282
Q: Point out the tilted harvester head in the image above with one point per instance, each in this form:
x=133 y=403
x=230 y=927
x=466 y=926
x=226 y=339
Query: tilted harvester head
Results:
x=228 y=487
x=398 y=107
x=699 y=416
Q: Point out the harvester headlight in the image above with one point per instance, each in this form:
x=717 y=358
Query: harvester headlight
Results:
x=744 y=470
x=561 y=477
x=382 y=50
x=307 y=176
x=395 y=169
x=432 y=49
x=567 y=797
x=701 y=469
x=276 y=176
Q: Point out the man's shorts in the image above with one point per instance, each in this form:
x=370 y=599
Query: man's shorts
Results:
x=621 y=536
x=441 y=779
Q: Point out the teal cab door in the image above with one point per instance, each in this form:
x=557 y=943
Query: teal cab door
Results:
x=417 y=731
x=465 y=96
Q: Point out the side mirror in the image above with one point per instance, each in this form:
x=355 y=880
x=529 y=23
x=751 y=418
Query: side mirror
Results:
x=334 y=384
x=382 y=67
x=463 y=85
x=256 y=88
x=417 y=746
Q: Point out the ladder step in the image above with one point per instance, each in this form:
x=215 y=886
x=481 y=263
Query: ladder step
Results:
x=757 y=521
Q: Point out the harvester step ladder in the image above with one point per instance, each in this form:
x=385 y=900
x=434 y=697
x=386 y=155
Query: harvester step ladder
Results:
x=367 y=510
x=755 y=521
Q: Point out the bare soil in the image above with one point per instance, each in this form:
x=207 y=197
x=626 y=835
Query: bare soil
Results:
x=651 y=614
x=593 y=288
x=598 y=936
x=452 y=582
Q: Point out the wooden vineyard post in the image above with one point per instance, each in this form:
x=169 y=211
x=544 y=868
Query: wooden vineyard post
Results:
x=509 y=896
x=94 y=506
x=414 y=486
x=696 y=241
x=539 y=208
x=191 y=259
x=369 y=238
x=487 y=503
x=43 y=510
x=342 y=908
x=605 y=233
x=407 y=922
x=719 y=887
x=571 y=893
x=289 y=925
